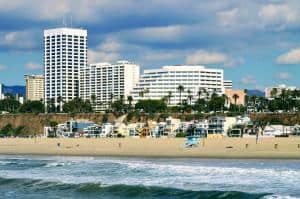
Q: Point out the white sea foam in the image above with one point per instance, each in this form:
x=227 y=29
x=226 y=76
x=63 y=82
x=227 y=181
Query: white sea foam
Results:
x=280 y=197
x=254 y=177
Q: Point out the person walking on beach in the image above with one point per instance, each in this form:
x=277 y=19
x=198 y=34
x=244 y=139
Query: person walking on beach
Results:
x=256 y=137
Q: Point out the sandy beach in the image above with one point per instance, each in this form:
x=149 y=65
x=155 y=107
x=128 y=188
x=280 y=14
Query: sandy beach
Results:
x=281 y=148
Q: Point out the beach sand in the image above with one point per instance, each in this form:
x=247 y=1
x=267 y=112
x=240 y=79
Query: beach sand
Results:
x=279 y=148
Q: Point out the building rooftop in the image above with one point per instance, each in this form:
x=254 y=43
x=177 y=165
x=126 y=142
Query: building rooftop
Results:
x=65 y=30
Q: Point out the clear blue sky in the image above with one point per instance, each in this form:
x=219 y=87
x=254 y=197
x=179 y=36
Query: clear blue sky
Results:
x=257 y=42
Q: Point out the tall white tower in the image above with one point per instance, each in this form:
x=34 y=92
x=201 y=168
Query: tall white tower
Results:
x=65 y=52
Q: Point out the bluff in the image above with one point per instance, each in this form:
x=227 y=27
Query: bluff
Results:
x=35 y=122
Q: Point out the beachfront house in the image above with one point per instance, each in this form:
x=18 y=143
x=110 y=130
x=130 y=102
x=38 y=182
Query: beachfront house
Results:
x=218 y=126
x=107 y=130
x=91 y=131
x=296 y=130
x=72 y=128
x=277 y=130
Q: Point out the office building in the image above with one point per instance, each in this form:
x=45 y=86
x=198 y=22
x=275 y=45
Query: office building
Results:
x=34 y=87
x=65 y=52
x=275 y=91
x=227 y=84
x=164 y=82
x=107 y=82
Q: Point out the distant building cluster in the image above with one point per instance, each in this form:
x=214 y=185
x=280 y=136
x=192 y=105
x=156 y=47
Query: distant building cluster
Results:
x=68 y=75
x=275 y=91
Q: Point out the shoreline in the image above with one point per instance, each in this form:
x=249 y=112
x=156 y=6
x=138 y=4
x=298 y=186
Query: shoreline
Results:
x=226 y=148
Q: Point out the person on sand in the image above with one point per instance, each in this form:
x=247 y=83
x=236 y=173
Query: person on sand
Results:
x=58 y=144
x=256 y=137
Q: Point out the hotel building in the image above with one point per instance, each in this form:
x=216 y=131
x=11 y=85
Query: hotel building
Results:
x=159 y=83
x=65 y=52
x=34 y=87
x=108 y=82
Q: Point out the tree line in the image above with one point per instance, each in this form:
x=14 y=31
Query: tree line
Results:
x=202 y=102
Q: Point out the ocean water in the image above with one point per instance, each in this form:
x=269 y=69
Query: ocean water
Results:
x=96 y=177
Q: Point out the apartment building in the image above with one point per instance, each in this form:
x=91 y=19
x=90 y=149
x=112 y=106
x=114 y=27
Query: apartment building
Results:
x=103 y=83
x=65 y=52
x=34 y=87
x=160 y=83
x=275 y=91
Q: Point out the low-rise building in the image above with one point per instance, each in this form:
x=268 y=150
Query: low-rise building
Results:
x=235 y=96
x=275 y=91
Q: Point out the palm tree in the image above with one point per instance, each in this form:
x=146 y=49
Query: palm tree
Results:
x=59 y=101
x=93 y=98
x=169 y=97
x=146 y=91
x=199 y=93
x=52 y=105
x=190 y=97
x=141 y=94
x=130 y=99
x=225 y=97
x=111 y=97
x=180 y=88
x=274 y=92
x=122 y=99
x=235 y=98
x=206 y=94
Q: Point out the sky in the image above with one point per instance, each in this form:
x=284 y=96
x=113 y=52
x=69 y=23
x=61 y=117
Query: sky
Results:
x=256 y=42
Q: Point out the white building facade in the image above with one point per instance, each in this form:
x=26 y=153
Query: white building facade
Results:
x=107 y=82
x=278 y=90
x=160 y=83
x=65 y=52
x=227 y=84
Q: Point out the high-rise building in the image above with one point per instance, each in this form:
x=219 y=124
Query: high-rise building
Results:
x=227 y=84
x=103 y=83
x=163 y=83
x=65 y=52
x=34 y=87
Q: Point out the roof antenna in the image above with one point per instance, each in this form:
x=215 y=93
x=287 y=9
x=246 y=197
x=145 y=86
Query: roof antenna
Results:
x=64 y=21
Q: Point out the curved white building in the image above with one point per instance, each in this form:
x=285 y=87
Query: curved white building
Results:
x=157 y=83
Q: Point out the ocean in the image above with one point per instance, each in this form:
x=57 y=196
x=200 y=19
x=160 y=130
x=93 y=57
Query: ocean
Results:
x=98 y=177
